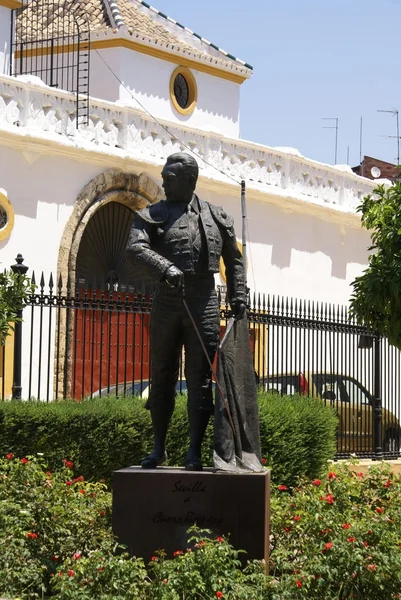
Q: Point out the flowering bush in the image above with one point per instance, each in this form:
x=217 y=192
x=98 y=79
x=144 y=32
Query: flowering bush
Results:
x=338 y=538
x=333 y=538
x=53 y=526
x=209 y=568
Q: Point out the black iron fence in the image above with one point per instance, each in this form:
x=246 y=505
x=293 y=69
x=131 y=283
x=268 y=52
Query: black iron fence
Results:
x=80 y=341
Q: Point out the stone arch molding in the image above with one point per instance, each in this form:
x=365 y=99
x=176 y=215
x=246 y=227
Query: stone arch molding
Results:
x=113 y=185
x=135 y=191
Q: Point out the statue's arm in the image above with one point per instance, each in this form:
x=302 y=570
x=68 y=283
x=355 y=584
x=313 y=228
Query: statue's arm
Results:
x=140 y=253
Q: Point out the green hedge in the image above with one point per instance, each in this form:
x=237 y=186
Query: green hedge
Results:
x=105 y=434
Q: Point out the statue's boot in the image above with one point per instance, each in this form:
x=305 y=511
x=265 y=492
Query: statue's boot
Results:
x=198 y=421
x=160 y=420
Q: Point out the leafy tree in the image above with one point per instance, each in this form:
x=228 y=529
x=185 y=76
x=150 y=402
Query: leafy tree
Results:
x=15 y=290
x=376 y=298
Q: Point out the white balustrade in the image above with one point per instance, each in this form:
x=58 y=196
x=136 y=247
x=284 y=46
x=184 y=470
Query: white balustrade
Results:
x=47 y=113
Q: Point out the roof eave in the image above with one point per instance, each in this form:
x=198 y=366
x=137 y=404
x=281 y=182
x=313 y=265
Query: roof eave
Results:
x=235 y=70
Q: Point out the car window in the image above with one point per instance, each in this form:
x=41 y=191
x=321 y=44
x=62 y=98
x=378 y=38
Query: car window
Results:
x=355 y=392
x=329 y=387
x=287 y=385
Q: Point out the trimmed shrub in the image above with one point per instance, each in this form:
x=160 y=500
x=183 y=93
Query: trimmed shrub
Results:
x=105 y=434
x=298 y=435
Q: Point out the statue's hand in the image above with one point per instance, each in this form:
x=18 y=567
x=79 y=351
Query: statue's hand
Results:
x=175 y=277
x=238 y=309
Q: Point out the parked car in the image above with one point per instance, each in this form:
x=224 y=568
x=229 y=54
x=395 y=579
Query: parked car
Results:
x=137 y=388
x=353 y=403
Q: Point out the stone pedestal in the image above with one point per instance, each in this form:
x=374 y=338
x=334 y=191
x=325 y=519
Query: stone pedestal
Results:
x=153 y=509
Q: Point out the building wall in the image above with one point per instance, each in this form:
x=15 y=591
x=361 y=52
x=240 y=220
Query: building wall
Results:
x=148 y=79
x=5 y=24
x=289 y=253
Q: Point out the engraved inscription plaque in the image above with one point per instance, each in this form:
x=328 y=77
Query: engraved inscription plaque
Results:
x=153 y=509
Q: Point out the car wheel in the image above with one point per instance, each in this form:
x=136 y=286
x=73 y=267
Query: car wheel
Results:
x=392 y=442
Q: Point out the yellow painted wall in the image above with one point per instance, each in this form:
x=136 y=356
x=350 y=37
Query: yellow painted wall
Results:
x=6 y=367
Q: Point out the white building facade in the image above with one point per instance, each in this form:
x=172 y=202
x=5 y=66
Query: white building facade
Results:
x=304 y=235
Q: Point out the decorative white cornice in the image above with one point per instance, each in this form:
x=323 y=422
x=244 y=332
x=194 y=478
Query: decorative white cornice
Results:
x=43 y=119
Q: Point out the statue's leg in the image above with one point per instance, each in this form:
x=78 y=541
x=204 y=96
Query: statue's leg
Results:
x=166 y=345
x=206 y=314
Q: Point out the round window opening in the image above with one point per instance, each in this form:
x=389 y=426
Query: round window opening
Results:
x=183 y=91
x=3 y=218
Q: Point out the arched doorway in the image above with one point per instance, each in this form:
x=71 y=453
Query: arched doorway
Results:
x=111 y=339
x=103 y=337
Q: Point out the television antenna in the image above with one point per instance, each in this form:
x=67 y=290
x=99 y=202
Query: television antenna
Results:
x=395 y=113
x=336 y=128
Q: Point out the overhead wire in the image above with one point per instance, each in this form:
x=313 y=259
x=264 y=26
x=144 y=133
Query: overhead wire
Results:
x=180 y=142
x=164 y=126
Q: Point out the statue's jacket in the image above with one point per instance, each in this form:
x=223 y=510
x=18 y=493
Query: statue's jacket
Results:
x=165 y=234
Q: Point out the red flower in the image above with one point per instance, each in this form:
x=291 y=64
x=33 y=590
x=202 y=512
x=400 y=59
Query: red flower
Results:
x=77 y=479
x=317 y=482
x=264 y=461
x=287 y=529
x=297 y=518
x=154 y=558
x=68 y=464
x=219 y=594
x=70 y=573
x=371 y=567
x=324 y=531
x=329 y=499
x=219 y=539
x=77 y=555
x=346 y=525
x=360 y=474
x=387 y=484
x=332 y=475
x=49 y=474
x=31 y=535
x=351 y=539
x=101 y=569
x=365 y=544
x=177 y=553
x=379 y=510
x=282 y=488
x=24 y=461
x=102 y=513
x=327 y=546
x=68 y=483
x=83 y=492
x=9 y=456
x=298 y=583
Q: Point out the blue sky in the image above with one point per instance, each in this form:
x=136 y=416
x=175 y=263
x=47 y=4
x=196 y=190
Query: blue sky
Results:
x=311 y=59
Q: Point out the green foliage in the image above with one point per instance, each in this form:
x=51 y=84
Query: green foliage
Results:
x=105 y=434
x=45 y=519
x=376 y=298
x=209 y=568
x=339 y=537
x=298 y=435
x=15 y=290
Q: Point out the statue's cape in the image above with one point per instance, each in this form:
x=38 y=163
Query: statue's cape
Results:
x=236 y=420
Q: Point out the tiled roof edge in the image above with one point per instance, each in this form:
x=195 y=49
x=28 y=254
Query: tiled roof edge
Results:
x=205 y=41
x=114 y=13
